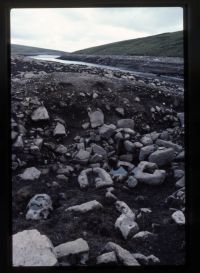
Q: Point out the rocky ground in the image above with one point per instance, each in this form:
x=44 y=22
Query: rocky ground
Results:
x=97 y=167
x=168 y=66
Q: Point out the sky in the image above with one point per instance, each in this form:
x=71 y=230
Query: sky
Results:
x=71 y=29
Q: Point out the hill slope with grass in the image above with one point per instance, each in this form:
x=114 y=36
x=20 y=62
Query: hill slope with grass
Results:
x=30 y=50
x=165 y=44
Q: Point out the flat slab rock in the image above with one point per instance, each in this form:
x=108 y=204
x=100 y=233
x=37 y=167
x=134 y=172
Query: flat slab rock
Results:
x=73 y=248
x=30 y=248
x=85 y=207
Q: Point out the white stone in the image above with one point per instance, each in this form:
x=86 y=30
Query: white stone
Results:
x=96 y=118
x=126 y=221
x=85 y=207
x=30 y=248
x=78 y=247
x=40 y=114
x=30 y=174
x=59 y=130
x=179 y=217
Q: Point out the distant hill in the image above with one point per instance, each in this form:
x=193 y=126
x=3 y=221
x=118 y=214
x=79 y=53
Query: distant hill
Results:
x=30 y=50
x=165 y=44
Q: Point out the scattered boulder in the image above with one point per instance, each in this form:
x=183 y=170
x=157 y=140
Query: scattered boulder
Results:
x=106 y=131
x=162 y=157
x=126 y=221
x=123 y=255
x=39 y=207
x=156 y=176
x=59 y=130
x=30 y=174
x=126 y=123
x=96 y=118
x=82 y=156
x=40 y=114
x=179 y=217
x=181 y=182
x=146 y=151
x=78 y=249
x=132 y=182
x=108 y=258
x=30 y=248
x=85 y=207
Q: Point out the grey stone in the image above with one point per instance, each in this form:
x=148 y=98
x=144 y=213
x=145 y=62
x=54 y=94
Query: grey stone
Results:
x=144 y=236
x=169 y=144
x=146 y=151
x=178 y=173
x=129 y=146
x=85 y=207
x=30 y=174
x=30 y=248
x=40 y=114
x=99 y=150
x=77 y=248
x=103 y=179
x=19 y=144
x=125 y=123
x=123 y=255
x=142 y=175
x=107 y=258
x=146 y=140
x=142 y=259
x=153 y=260
x=162 y=157
x=181 y=118
x=59 y=130
x=132 y=182
x=120 y=110
x=39 y=207
x=82 y=156
x=106 y=131
x=96 y=118
x=181 y=182
x=61 y=149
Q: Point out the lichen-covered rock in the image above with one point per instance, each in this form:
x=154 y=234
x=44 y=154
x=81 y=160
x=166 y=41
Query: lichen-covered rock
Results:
x=39 y=207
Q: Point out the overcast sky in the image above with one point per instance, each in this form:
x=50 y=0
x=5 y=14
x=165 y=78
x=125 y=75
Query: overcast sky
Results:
x=72 y=29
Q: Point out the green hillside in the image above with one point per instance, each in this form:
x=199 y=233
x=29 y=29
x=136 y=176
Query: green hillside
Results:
x=165 y=44
x=30 y=50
